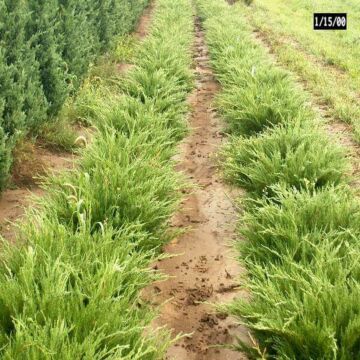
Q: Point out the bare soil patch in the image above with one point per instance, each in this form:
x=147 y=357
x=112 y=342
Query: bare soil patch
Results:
x=32 y=163
x=205 y=268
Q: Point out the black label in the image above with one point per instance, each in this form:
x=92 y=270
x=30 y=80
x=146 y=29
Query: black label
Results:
x=330 y=21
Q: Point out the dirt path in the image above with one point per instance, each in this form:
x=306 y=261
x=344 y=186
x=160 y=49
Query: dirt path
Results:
x=205 y=270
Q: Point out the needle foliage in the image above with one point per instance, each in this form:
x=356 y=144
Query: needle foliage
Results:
x=299 y=230
x=71 y=287
x=47 y=47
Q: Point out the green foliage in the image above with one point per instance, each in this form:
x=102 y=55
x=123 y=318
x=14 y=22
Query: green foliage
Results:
x=58 y=135
x=7 y=117
x=12 y=39
x=21 y=55
x=306 y=311
x=42 y=30
x=255 y=95
x=295 y=222
x=327 y=63
x=71 y=288
x=266 y=99
x=69 y=283
x=291 y=155
x=148 y=186
x=79 y=43
x=6 y=145
x=124 y=48
x=301 y=221
x=46 y=49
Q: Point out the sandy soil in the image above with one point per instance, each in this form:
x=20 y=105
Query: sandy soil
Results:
x=205 y=269
x=26 y=183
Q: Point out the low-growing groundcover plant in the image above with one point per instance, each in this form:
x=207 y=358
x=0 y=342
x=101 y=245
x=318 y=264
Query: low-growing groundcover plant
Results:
x=267 y=99
x=315 y=56
x=300 y=223
x=71 y=287
x=296 y=222
x=255 y=96
x=294 y=155
x=141 y=188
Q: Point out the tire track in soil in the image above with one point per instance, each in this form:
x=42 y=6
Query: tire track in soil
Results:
x=206 y=269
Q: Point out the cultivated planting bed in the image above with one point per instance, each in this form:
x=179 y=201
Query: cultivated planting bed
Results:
x=301 y=219
x=70 y=289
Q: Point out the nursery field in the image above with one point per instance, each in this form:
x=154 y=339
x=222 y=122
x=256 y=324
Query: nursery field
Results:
x=326 y=61
x=46 y=50
x=299 y=230
x=203 y=197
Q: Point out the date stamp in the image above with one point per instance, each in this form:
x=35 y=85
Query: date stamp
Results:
x=330 y=21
